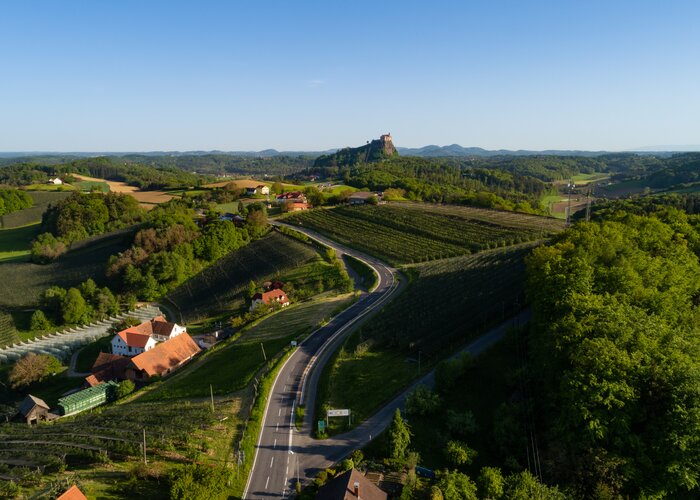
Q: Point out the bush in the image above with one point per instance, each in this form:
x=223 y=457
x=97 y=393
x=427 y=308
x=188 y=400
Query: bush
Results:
x=33 y=368
x=458 y=453
x=39 y=323
x=125 y=388
x=47 y=248
x=422 y=401
x=198 y=481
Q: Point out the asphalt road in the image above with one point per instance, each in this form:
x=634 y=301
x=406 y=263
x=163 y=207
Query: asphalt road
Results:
x=281 y=450
x=283 y=453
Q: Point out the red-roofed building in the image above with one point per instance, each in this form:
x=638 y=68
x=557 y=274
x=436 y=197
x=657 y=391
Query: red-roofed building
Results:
x=107 y=367
x=274 y=296
x=72 y=493
x=294 y=196
x=163 y=358
x=144 y=337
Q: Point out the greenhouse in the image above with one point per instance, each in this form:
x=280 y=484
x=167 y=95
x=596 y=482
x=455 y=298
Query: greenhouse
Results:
x=88 y=398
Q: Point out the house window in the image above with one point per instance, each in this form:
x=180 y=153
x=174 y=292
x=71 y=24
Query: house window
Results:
x=129 y=348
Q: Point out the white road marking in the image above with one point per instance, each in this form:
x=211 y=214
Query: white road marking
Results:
x=279 y=412
x=277 y=427
x=288 y=460
x=274 y=445
x=286 y=474
x=267 y=482
x=272 y=461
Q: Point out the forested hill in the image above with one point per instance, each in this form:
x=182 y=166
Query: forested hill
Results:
x=374 y=151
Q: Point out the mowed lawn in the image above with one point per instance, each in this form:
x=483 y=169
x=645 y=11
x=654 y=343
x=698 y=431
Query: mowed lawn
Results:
x=15 y=243
x=232 y=367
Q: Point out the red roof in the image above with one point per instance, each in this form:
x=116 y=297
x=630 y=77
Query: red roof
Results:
x=276 y=295
x=166 y=355
x=137 y=336
x=107 y=367
x=291 y=195
x=72 y=493
x=134 y=339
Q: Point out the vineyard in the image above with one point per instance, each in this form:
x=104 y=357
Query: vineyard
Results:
x=222 y=286
x=412 y=232
x=447 y=303
x=27 y=280
x=32 y=215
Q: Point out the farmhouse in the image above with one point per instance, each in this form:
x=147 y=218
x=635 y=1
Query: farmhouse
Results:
x=262 y=189
x=361 y=197
x=350 y=485
x=295 y=206
x=250 y=191
x=294 y=196
x=274 y=296
x=55 y=181
x=162 y=359
x=144 y=337
x=107 y=367
x=34 y=409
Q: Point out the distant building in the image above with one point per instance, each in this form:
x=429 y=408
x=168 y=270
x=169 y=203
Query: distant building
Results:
x=163 y=359
x=294 y=196
x=107 y=367
x=350 y=485
x=144 y=337
x=361 y=197
x=55 y=181
x=250 y=191
x=274 y=296
x=263 y=189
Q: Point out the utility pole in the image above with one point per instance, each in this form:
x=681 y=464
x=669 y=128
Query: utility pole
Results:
x=145 y=461
x=263 y=350
x=211 y=392
x=571 y=186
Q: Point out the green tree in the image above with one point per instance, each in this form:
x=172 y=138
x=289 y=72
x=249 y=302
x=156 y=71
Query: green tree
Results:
x=39 y=323
x=422 y=401
x=490 y=483
x=33 y=368
x=458 y=453
x=252 y=289
x=456 y=486
x=125 y=388
x=75 y=310
x=525 y=486
x=399 y=437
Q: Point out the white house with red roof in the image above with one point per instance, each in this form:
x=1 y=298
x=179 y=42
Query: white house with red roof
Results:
x=275 y=296
x=144 y=337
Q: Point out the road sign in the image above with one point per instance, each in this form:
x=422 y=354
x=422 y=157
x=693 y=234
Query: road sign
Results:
x=321 y=425
x=294 y=343
x=338 y=413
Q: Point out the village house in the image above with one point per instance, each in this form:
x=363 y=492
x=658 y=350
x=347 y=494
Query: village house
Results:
x=350 y=485
x=55 y=181
x=144 y=337
x=250 y=191
x=362 y=197
x=162 y=359
x=293 y=196
x=262 y=189
x=107 y=367
x=295 y=206
x=274 y=296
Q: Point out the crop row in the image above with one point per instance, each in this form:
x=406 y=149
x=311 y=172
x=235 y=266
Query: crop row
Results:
x=218 y=286
x=406 y=233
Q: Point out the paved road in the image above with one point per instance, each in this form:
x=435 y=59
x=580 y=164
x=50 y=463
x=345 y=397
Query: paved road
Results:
x=275 y=468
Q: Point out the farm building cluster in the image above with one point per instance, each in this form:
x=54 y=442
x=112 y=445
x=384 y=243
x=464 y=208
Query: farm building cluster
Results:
x=293 y=201
x=153 y=348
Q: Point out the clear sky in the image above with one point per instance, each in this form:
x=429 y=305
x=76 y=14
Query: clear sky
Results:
x=300 y=75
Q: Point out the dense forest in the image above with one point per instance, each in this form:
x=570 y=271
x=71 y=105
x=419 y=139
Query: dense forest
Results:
x=615 y=354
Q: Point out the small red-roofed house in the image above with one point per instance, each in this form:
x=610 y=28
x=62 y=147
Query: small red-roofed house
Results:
x=274 y=296
x=72 y=493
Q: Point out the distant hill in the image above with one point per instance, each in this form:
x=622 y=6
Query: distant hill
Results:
x=455 y=150
x=371 y=152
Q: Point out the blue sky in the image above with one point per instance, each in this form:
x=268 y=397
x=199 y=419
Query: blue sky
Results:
x=233 y=75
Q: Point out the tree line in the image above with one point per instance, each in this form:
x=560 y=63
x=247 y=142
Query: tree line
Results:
x=12 y=200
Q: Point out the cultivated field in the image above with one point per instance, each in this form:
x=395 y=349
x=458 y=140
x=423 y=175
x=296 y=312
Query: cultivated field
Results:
x=221 y=287
x=33 y=214
x=239 y=183
x=447 y=303
x=27 y=280
x=414 y=232
x=147 y=198
x=15 y=243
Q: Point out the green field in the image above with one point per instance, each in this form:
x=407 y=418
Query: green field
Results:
x=15 y=243
x=92 y=186
x=221 y=288
x=446 y=304
x=33 y=214
x=27 y=280
x=413 y=232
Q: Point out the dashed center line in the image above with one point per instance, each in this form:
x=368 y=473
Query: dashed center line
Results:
x=267 y=482
x=274 y=445
x=272 y=460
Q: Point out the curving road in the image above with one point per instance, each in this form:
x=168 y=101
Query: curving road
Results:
x=282 y=453
x=281 y=450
